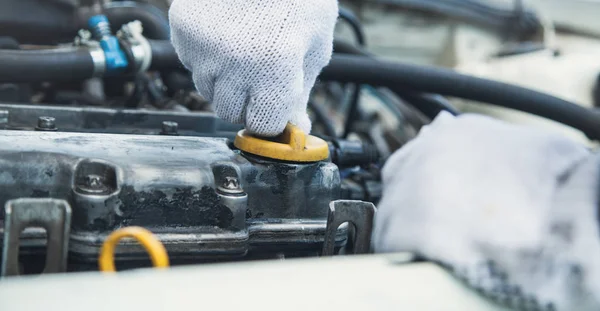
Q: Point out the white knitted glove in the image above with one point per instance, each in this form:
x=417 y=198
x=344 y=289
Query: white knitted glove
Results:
x=509 y=209
x=256 y=60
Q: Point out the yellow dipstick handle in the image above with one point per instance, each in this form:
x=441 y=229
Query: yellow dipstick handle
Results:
x=292 y=145
x=294 y=137
x=156 y=250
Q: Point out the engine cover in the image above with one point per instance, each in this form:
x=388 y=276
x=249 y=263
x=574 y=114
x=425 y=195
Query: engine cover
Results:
x=202 y=198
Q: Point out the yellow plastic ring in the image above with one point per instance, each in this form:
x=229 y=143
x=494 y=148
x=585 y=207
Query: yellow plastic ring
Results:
x=292 y=145
x=156 y=250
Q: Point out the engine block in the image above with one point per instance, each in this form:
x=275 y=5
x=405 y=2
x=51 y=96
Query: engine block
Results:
x=201 y=197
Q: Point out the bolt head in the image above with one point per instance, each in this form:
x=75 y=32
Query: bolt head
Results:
x=4 y=116
x=231 y=183
x=92 y=184
x=93 y=181
x=230 y=186
x=169 y=128
x=46 y=124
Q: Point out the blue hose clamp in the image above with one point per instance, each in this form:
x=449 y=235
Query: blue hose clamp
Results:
x=115 y=57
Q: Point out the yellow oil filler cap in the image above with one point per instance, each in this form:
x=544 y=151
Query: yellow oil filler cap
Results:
x=292 y=145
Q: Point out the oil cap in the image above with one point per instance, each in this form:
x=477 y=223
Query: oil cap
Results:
x=292 y=145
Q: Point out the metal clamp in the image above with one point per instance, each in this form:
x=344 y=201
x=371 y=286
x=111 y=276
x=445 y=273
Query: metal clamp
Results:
x=84 y=38
x=51 y=214
x=358 y=213
x=140 y=47
x=116 y=59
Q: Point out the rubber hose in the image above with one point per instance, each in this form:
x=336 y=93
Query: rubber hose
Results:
x=525 y=21
x=77 y=64
x=45 y=65
x=347 y=48
x=36 y=21
x=357 y=69
x=348 y=16
x=365 y=70
x=353 y=111
x=68 y=64
x=321 y=117
x=164 y=56
x=428 y=104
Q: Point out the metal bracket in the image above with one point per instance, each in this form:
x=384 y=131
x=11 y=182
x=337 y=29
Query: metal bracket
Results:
x=358 y=213
x=51 y=214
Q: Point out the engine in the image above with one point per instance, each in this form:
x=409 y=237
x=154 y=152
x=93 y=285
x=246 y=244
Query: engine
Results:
x=103 y=130
x=110 y=160
x=202 y=198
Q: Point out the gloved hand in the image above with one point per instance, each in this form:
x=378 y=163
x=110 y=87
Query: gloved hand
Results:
x=256 y=60
x=511 y=210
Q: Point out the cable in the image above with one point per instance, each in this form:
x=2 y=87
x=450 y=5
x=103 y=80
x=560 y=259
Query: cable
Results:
x=428 y=104
x=356 y=69
x=349 y=17
x=352 y=111
x=321 y=117
x=342 y=47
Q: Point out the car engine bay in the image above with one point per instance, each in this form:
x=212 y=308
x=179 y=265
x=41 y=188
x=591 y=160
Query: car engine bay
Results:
x=102 y=129
x=139 y=147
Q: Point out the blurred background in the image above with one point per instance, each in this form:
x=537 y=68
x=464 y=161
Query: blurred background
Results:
x=547 y=45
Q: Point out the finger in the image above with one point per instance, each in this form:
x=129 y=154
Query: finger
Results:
x=267 y=114
x=271 y=106
x=205 y=84
x=230 y=102
x=300 y=118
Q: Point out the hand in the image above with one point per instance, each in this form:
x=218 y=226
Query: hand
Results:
x=509 y=209
x=255 y=60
